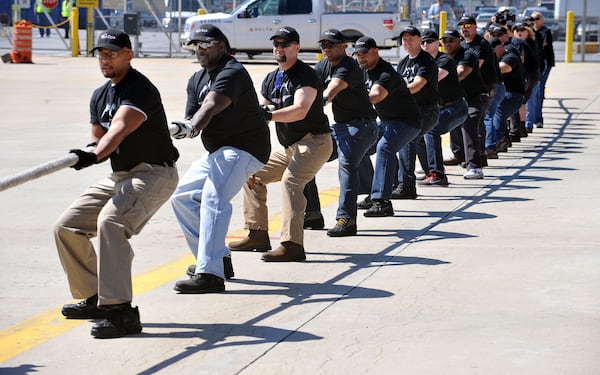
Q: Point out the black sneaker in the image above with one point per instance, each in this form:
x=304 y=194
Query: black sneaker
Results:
x=380 y=208
x=227 y=268
x=342 y=228
x=401 y=193
x=121 y=320
x=200 y=284
x=365 y=204
x=86 y=309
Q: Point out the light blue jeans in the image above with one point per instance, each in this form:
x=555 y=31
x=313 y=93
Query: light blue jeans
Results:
x=202 y=203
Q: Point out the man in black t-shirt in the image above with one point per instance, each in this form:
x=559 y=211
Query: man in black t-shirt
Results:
x=476 y=93
x=400 y=121
x=355 y=128
x=420 y=72
x=221 y=104
x=129 y=126
x=293 y=98
x=453 y=109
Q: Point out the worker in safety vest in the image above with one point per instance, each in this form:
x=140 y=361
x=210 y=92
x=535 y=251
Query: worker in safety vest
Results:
x=65 y=13
x=43 y=13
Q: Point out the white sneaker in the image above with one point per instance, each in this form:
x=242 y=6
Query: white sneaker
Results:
x=473 y=174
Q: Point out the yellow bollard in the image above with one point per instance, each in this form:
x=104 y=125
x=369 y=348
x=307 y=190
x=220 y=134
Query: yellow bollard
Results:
x=443 y=23
x=74 y=24
x=569 y=37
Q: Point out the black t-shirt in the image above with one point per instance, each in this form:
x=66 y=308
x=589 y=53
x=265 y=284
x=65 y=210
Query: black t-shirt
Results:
x=547 y=46
x=241 y=125
x=422 y=65
x=151 y=142
x=489 y=68
x=530 y=58
x=353 y=102
x=279 y=89
x=472 y=84
x=514 y=80
x=399 y=104
x=449 y=87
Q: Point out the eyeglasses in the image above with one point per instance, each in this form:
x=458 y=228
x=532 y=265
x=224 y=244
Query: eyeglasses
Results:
x=109 y=55
x=465 y=25
x=203 y=45
x=427 y=41
x=284 y=44
x=327 y=45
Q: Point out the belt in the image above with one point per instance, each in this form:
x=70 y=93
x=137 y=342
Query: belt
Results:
x=452 y=102
x=168 y=163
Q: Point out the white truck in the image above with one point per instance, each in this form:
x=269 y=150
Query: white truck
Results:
x=250 y=25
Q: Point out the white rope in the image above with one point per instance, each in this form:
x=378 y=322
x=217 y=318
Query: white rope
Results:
x=49 y=167
x=39 y=171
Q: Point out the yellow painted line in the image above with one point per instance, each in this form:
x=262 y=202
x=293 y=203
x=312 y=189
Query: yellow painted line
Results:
x=47 y=325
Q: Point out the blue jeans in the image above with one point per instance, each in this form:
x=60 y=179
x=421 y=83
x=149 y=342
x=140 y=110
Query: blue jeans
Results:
x=408 y=154
x=491 y=140
x=394 y=135
x=202 y=203
x=353 y=140
x=451 y=117
x=534 y=113
x=508 y=106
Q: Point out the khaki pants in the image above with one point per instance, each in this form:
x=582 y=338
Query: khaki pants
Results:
x=114 y=209
x=294 y=167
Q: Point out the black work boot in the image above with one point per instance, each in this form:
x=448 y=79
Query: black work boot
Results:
x=227 y=268
x=121 y=320
x=200 y=284
x=257 y=240
x=86 y=309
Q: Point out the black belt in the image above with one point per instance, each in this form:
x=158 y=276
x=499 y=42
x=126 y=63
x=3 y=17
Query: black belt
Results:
x=168 y=163
x=452 y=102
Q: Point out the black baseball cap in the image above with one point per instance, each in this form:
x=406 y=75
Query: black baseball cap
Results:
x=497 y=29
x=410 y=29
x=430 y=34
x=288 y=33
x=364 y=44
x=207 y=33
x=467 y=20
x=113 y=40
x=332 y=35
x=451 y=33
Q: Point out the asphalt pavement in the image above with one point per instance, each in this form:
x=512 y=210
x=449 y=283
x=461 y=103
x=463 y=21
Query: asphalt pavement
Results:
x=491 y=276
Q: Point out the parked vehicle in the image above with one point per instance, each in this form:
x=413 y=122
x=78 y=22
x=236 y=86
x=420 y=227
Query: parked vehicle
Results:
x=483 y=20
x=250 y=25
x=483 y=9
x=549 y=20
x=591 y=32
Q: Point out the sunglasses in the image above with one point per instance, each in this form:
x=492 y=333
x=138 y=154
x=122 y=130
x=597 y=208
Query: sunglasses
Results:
x=326 y=45
x=465 y=25
x=283 y=44
x=203 y=45
x=448 y=40
x=427 y=41
x=109 y=55
x=536 y=18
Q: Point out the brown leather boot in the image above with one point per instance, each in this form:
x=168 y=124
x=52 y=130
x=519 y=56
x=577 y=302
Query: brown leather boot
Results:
x=286 y=252
x=257 y=240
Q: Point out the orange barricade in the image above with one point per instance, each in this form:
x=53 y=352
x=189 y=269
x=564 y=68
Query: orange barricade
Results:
x=21 y=52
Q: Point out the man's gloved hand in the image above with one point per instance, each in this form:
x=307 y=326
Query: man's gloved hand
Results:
x=85 y=159
x=184 y=130
x=267 y=111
